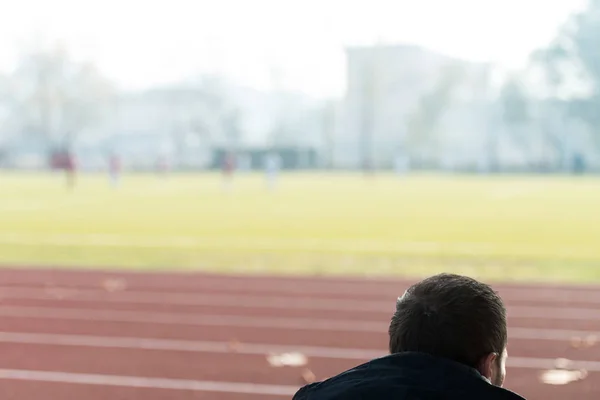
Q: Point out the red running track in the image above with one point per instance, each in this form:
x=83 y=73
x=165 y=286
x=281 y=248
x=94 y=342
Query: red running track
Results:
x=95 y=335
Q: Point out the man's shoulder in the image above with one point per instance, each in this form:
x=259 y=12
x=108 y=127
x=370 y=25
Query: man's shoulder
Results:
x=398 y=377
x=352 y=385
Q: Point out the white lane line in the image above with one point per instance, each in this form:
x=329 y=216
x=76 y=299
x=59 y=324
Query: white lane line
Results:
x=150 y=383
x=549 y=334
x=192 y=346
x=243 y=348
x=554 y=313
x=306 y=324
x=549 y=294
x=550 y=363
x=192 y=319
x=192 y=299
x=370 y=288
x=269 y=302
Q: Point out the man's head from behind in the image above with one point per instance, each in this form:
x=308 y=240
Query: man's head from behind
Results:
x=453 y=317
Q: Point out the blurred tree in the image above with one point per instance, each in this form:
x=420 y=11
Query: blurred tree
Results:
x=514 y=102
x=5 y=101
x=515 y=111
x=212 y=115
x=571 y=64
x=422 y=123
x=232 y=128
x=56 y=97
x=368 y=118
x=329 y=121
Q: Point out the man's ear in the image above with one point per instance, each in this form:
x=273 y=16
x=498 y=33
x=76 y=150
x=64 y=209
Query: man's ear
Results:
x=487 y=365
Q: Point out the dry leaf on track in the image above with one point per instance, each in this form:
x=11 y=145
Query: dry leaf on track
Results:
x=308 y=376
x=234 y=346
x=562 y=363
x=287 y=360
x=591 y=340
x=562 y=376
x=60 y=293
x=114 y=285
x=576 y=342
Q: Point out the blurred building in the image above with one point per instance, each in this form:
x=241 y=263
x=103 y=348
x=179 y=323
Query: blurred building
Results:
x=25 y=151
x=295 y=157
x=386 y=86
x=198 y=121
x=435 y=111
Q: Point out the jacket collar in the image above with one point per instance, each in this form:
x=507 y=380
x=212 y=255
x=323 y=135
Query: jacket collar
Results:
x=443 y=374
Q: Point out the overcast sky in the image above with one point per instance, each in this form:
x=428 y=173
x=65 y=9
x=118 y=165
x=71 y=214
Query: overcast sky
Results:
x=142 y=42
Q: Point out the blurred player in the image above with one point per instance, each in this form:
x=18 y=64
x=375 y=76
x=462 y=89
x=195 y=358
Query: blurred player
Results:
x=272 y=167
x=162 y=166
x=228 y=168
x=114 y=170
x=70 y=164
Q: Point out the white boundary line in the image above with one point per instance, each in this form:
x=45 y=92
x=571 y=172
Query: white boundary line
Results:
x=243 y=348
x=305 y=324
x=240 y=243
x=355 y=246
x=150 y=383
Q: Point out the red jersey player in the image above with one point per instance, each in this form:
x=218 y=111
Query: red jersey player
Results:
x=228 y=168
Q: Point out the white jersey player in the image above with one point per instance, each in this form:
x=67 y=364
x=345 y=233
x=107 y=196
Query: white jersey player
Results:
x=272 y=167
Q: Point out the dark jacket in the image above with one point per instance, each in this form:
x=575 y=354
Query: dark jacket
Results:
x=407 y=376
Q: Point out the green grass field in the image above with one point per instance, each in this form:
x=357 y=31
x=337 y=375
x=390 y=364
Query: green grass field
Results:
x=541 y=228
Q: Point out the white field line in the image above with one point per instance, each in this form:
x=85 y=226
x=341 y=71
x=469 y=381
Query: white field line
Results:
x=9 y=208
x=305 y=324
x=150 y=383
x=243 y=348
x=237 y=243
x=513 y=192
x=269 y=302
x=345 y=246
